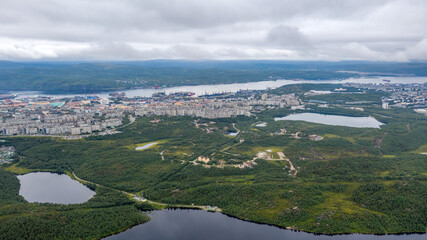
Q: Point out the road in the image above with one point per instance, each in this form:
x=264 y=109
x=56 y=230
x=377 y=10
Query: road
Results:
x=238 y=130
x=206 y=208
x=291 y=166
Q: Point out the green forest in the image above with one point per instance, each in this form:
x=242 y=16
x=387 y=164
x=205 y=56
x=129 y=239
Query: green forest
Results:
x=355 y=180
x=107 y=213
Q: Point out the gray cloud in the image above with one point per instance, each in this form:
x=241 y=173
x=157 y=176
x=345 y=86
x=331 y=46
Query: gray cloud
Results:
x=287 y=29
x=288 y=37
x=110 y=50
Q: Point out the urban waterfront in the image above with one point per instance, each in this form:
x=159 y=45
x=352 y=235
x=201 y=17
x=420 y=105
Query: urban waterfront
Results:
x=226 y=88
x=73 y=115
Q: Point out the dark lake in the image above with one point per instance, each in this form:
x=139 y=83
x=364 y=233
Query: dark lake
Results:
x=47 y=187
x=196 y=224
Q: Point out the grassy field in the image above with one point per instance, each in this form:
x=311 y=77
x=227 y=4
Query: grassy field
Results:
x=421 y=149
x=14 y=168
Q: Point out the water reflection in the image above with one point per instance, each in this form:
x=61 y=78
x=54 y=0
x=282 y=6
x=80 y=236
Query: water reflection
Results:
x=145 y=146
x=47 y=187
x=335 y=120
x=197 y=224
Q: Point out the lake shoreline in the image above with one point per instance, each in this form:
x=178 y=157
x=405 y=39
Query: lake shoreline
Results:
x=321 y=233
x=293 y=230
x=333 y=120
x=53 y=187
x=232 y=216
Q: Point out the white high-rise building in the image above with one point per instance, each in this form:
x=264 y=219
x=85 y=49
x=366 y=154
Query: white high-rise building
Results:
x=385 y=105
x=105 y=101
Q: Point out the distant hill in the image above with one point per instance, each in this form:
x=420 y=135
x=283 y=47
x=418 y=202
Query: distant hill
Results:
x=89 y=77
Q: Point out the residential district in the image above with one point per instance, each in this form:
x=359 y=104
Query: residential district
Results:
x=412 y=95
x=6 y=153
x=92 y=114
x=73 y=116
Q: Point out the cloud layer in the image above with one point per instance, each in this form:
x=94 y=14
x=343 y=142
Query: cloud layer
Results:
x=384 y=30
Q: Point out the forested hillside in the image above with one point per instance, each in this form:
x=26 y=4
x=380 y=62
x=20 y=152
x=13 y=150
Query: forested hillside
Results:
x=90 y=77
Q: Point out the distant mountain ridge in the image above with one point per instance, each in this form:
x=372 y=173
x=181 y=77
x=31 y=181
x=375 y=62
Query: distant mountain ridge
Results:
x=95 y=76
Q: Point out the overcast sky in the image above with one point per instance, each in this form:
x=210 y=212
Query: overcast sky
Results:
x=380 y=30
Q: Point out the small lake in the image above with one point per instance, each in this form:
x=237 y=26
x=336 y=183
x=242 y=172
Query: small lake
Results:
x=196 y=224
x=264 y=124
x=335 y=120
x=45 y=187
x=145 y=146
